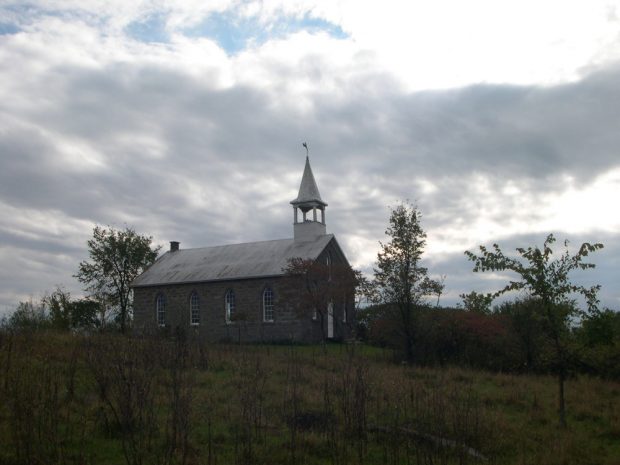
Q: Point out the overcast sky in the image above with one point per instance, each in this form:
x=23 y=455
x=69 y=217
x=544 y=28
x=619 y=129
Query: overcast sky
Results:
x=184 y=120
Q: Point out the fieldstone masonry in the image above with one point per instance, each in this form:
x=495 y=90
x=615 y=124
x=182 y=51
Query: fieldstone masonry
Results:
x=288 y=323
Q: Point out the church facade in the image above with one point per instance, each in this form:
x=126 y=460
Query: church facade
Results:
x=242 y=292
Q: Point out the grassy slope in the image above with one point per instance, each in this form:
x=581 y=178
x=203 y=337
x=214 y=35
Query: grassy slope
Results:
x=304 y=404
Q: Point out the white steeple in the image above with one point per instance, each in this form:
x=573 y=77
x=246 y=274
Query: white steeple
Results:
x=308 y=199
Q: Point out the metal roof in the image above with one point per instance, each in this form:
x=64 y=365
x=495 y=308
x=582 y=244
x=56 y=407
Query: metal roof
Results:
x=234 y=261
x=308 y=190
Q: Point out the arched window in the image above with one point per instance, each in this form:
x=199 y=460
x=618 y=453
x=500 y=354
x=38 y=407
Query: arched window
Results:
x=194 y=309
x=344 y=311
x=268 y=304
x=229 y=302
x=160 y=310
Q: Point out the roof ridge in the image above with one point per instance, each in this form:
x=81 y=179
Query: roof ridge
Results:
x=243 y=243
x=237 y=243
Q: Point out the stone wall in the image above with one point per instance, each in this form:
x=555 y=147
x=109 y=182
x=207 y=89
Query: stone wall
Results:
x=288 y=324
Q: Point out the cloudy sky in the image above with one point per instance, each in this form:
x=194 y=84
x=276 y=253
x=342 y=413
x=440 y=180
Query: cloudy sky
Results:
x=184 y=120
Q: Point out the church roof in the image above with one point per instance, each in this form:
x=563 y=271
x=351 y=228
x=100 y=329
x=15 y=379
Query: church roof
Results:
x=308 y=190
x=227 y=262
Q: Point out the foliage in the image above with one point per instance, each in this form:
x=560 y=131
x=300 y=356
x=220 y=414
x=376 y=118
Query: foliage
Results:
x=365 y=290
x=314 y=285
x=376 y=326
x=365 y=295
x=65 y=313
x=510 y=339
x=599 y=335
x=540 y=275
x=29 y=315
x=454 y=336
x=54 y=311
x=85 y=314
x=601 y=328
x=400 y=279
x=59 y=306
x=451 y=336
x=525 y=321
x=117 y=257
x=548 y=280
x=475 y=302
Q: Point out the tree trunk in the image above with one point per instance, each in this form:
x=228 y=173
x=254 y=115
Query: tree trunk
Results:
x=561 y=404
x=406 y=316
x=409 y=344
x=123 y=321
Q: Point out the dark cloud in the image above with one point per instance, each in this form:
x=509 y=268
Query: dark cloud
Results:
x=180 y=159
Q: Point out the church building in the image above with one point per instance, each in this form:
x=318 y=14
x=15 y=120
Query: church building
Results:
x=241 y=291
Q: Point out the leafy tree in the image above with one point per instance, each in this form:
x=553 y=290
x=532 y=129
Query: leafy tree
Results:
x=525 y=320
x=400 y=279
x=29 y=315
x=365 y=295
x=70 y=314
x=602 y=328
x=599 y=336
x=59 y=306
x=84 y=314
x=548 y=280
x=117 y=257
x=365 y=290
x=475 y=302
x=315 y=285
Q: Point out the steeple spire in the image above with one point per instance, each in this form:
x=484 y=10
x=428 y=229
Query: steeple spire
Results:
x=308 y=199
x=308 y=190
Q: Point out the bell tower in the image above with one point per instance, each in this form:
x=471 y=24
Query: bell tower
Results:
x=311 y=222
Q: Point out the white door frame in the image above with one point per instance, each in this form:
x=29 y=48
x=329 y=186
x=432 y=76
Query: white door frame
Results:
x=330 y=320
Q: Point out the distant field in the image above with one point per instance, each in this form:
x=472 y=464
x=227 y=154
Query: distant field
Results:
x=107 y=400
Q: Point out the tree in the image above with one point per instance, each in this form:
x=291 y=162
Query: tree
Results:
x=548 y=280
x=365 y=290
x=599 y=338
x=475 y=302
x=84 y=314
x=70 y=314
x=117 y=257
x=316 y=286
x=59 y=306
x=400 y=279
x=29 y=315
x=525 y=320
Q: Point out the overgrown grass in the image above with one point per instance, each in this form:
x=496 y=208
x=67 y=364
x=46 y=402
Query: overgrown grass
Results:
x=70 y=399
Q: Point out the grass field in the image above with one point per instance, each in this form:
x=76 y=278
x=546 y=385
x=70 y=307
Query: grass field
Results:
x=107 y=400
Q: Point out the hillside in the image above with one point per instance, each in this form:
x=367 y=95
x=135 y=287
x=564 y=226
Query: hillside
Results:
x=108 y=400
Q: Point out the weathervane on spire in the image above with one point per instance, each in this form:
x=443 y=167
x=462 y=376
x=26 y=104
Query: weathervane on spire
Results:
x=306 y=146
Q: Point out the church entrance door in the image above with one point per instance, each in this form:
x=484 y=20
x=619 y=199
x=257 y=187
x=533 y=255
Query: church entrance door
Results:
x=330 y=320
